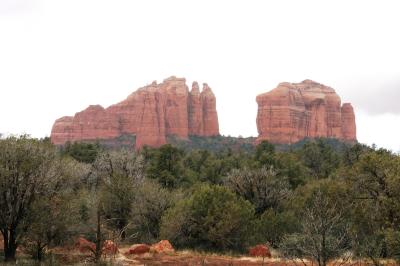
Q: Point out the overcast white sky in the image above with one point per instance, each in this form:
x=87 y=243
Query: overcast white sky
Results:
x=59 y=56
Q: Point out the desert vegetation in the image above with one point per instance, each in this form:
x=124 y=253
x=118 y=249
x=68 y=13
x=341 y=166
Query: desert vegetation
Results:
x=317 y=201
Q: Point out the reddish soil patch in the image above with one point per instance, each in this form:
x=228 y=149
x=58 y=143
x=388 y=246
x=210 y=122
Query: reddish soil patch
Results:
x=188 y=259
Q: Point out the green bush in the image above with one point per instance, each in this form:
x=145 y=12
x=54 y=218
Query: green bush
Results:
x=213 y=218
x=273 y=225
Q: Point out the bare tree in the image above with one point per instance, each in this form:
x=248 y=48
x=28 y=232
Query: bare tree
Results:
x=115 y=176
x=52 y=215
x=123 y=163
x=262 y=187
x=323 y=235
x=150 y=203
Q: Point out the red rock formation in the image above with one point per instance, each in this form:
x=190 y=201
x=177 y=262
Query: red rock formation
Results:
x=195 y=111
x=109 y=248
x=294 y=111
x=164 y=246
x=138 y=249
x=151 y=113
x=210 y=116
x=85 y=246
x=260 y=251
x=349 y=131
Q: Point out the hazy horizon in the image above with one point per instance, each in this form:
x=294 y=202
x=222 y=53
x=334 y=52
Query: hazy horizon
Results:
x=58 y=57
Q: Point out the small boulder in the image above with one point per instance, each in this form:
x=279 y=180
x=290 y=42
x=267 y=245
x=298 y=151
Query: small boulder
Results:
x=164 y=246
x=260 y=251
x=84 y=245
x=110 y=248
x=138 y=249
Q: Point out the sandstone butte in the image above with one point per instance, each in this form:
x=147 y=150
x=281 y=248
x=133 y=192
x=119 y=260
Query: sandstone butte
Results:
x=151 y=114
x=294 y=111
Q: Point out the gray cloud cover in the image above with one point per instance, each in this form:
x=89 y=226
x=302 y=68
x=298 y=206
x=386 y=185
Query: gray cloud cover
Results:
x=376 y=97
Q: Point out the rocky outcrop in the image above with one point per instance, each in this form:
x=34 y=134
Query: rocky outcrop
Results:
x=138 y=249
x=109 y=248
x=150 y=113
x=294 y=111
x=349 y=130
x=85 y=246
x=196 y=125
x=260 y=251
x=210 y=117
x=164 y=246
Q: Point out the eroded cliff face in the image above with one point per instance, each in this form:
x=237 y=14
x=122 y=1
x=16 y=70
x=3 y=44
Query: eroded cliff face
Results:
x=294 y=111
x=151 y=113
x=196 y=125
x=349 y=130
x=210 y=117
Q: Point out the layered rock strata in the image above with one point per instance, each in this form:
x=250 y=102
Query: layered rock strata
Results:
x=151 y=114
x=294 y=111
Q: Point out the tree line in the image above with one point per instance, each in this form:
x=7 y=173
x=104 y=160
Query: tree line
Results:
x=313 y=202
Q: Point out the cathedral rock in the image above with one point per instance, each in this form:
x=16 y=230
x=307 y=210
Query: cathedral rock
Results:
x=151 y=114
x=294 y=111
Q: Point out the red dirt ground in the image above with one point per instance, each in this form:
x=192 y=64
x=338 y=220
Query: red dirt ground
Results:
x=70 y=256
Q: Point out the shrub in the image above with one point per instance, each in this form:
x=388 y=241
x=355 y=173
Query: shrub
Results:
x=213 y=218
